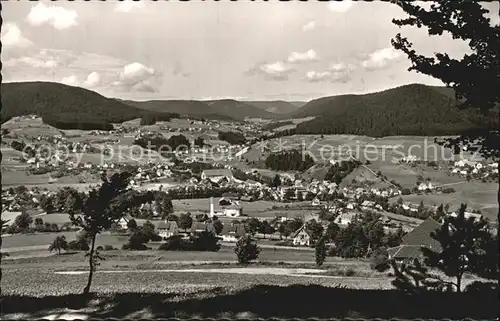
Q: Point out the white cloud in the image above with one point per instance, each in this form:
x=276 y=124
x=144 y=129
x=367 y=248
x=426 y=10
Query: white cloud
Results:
x=93 y=79
x=331 y=76
x=56 y=16
x=309 y=26
x=32 y=62
x=12 y=37
x=70 y=80
x=136 y=77
x=340 y=6
x=309 y=55
x=341 y=67
x=127 y=6
x=278 y=70
x=381 y=58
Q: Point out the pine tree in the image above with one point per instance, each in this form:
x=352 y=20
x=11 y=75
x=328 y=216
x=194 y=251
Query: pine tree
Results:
x=463 y=243
x=320 y=251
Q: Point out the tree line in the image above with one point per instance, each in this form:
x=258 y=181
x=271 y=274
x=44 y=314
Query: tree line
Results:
x=292 y=160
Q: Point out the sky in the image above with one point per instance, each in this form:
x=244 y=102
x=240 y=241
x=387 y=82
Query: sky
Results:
x=208 y=50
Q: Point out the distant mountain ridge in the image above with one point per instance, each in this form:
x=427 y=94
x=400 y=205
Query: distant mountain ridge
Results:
x=406 y=110
x=277 y=106
x=219 y=109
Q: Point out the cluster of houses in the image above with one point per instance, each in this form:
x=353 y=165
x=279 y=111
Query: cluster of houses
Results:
x=474 y=169
x=152 y=170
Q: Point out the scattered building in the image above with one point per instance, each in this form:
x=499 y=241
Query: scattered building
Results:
x=301 y=237
x=412 y=243
x=167 y=229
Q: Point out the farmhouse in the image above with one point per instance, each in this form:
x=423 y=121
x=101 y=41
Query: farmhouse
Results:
x=413 y=242
x=198 y=227
x=216 y=175
x=345 y=219
x=232 y=232
x=226 y=207
x=301 y=237
x=167 y=229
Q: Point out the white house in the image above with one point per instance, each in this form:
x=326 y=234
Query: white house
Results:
x=167 y=229
x=216 y=175
x=301 y=237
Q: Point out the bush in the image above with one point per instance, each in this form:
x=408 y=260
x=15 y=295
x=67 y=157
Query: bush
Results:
x=137 y=242
x=205 y=241
x=108 y=247
x=79 y=245
x=482 y=287
x=246 y=249
x=379 y=260
x=175 y=243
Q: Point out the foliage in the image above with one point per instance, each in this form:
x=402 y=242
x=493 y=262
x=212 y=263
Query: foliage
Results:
x=23 y=221
x=58 y=244
x=467 y=247
x=137 y=241
x=362 y=236
x=204 y=241
x=246 y=249
x=463 y=243
x=320 y=251
x=332 y=231
x=252 y=225
x=476 y=77
x=185 y=221
x=289 y=160
x=276 y=181
x=67 y=107
x=132 y=225
x=428 y=111
x=102 y=207
x=233 y=138
x=315 y=229
x=218 y=226
x=199 y=142
x=337 y=172
x=379 y=260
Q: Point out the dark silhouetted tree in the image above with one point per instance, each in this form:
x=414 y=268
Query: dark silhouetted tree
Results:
x=58 y=244
x=320 y=251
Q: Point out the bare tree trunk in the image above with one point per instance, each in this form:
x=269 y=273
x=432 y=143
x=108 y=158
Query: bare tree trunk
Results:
x=459 y=283
x=86 y=290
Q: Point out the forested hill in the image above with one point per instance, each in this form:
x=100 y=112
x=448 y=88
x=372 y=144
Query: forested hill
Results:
x=277 y=106
x=407 y=110
x=66 y=106
x=224 y=109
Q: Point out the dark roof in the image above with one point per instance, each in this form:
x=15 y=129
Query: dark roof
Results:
x=170 y=225
x=300 y=230
x=421 y=235
x=233 y=229
x=200 y=226
x=218 y=172
x=405 y=252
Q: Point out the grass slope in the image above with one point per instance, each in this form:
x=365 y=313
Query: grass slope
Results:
x=407 y=110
